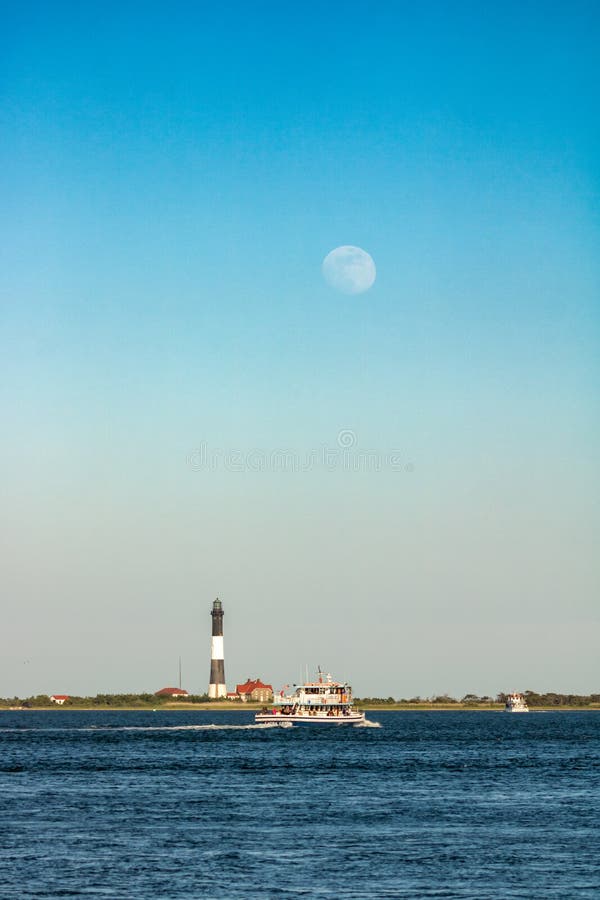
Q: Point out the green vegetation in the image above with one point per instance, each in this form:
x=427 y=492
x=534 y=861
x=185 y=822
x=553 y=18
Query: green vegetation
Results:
x=425 y=702
x=551 y=699
x=473 y=701
x=105 y=701
x=442 y=701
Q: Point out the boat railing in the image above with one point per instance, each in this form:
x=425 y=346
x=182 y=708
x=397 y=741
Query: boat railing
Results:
x=320 y=699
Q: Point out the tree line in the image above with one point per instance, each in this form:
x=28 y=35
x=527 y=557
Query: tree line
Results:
x=533 y=699
x=145 y=700
x=116 y=701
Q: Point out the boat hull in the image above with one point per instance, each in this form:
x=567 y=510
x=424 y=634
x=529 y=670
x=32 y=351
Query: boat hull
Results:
x=273 y=719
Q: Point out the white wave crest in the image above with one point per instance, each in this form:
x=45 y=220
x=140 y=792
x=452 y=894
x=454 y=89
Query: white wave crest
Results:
x=208 y=727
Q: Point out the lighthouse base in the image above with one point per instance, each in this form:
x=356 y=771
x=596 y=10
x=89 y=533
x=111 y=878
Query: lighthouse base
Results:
x=216 y=691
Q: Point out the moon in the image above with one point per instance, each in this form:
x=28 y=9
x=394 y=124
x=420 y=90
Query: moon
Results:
x=349 y=270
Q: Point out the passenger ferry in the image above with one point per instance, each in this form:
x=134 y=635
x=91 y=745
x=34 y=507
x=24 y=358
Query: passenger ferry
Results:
x=320 y=702
x=516 y=703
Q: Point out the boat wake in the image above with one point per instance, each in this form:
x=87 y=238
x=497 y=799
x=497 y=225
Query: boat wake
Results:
x=206 y=727
x=147 y=728
x=368 y=724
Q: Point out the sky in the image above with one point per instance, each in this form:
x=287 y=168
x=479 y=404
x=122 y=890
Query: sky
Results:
x=400 y=486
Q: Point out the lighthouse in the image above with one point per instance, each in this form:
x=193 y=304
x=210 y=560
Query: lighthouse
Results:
x=217 y=687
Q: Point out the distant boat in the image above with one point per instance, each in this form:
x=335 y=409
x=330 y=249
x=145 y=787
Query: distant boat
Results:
x=515 y=703
x=320 y=702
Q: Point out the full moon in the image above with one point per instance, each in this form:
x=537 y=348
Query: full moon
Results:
x=349 y=270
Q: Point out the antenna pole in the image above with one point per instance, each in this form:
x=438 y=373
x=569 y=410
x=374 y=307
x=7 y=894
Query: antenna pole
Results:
x=179 y=673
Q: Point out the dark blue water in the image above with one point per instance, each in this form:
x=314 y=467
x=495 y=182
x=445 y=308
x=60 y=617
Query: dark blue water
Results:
x=150 y=805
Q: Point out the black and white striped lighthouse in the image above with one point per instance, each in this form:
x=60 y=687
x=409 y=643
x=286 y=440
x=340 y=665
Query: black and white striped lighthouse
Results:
x=217 y=687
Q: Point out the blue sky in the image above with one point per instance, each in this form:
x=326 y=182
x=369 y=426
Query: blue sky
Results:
x=172 y=177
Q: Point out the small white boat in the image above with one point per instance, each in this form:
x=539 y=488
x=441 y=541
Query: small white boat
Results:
x=515 y=703
x=320 y=702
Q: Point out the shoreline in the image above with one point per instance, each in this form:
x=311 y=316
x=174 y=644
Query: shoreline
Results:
x=253 y=707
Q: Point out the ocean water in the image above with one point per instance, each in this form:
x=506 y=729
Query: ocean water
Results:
x=206 y=805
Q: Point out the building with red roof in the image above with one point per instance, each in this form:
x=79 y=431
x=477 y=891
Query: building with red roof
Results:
x=255 y=690
x=59 y=699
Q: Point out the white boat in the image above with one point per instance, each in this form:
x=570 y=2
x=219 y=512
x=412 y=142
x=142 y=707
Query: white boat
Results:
x=320 y=702
x=515 y=703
